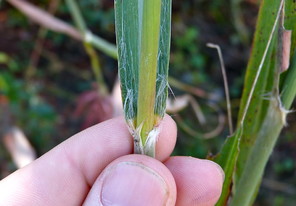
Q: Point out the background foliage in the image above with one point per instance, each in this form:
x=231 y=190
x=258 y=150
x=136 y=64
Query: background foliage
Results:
x=42 y=96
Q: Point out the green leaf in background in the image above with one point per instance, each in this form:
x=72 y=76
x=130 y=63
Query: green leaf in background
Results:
x=290 y=22
x=262 y=115
x=143 y=40
x=3 y=84
x=244 y=139
x=289 y=83
x=253 y=157
x=259 y=103
x=4 y=59
x=227 y=160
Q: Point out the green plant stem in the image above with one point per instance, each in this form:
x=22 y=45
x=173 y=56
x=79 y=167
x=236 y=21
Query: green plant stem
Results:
x=62 y=27
x=103 y=45
x=289 y=88
x=88 y=37
x=95 y=63
x=259 y=156
x=76 y=15
x=98 y=42
x=267 y=137
x=260 y=120
x=143 y=39
x=148 y=67
x=268 y=134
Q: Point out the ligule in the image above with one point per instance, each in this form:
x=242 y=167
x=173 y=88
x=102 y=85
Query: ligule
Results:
x=143 y=40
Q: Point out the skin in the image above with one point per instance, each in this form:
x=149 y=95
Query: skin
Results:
x=96 y=167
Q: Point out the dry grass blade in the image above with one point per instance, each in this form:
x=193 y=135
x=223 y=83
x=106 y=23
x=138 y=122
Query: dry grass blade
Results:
x=46 y=20
x=225 y=85
x=19 y=147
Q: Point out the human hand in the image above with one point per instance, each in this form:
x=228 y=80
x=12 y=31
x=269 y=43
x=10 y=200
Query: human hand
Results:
x=96 y=167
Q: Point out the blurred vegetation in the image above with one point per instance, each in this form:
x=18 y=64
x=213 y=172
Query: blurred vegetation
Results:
x=43 y=91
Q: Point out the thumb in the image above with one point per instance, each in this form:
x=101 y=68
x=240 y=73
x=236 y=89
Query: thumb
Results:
x=133 y=180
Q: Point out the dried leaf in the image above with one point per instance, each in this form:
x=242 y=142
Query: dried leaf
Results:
x=45 y=19
x=19 y=147
x=286 y=49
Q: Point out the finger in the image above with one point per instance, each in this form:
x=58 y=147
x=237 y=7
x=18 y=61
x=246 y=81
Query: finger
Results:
x=64 y=175
x=93 y=149
x=131 y=181
x=199 y=182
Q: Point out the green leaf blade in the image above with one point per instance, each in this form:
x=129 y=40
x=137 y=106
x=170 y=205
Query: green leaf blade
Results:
x=127 y=29
x=227 y=160
x=259 y=103
x=163 y=58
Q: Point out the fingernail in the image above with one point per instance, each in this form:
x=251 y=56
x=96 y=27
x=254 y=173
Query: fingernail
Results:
x=133 y=184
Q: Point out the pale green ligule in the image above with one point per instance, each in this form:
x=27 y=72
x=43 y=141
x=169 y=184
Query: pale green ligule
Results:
x=143 y=41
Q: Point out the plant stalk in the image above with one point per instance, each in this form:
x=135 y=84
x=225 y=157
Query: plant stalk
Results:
x=268 y=134
x=95 y=63
x=148 y=67
x=143 y=31
x=259 y=155
x=289 y=85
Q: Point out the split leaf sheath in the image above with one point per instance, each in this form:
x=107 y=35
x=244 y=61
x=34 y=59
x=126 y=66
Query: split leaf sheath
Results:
x=143 y=30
